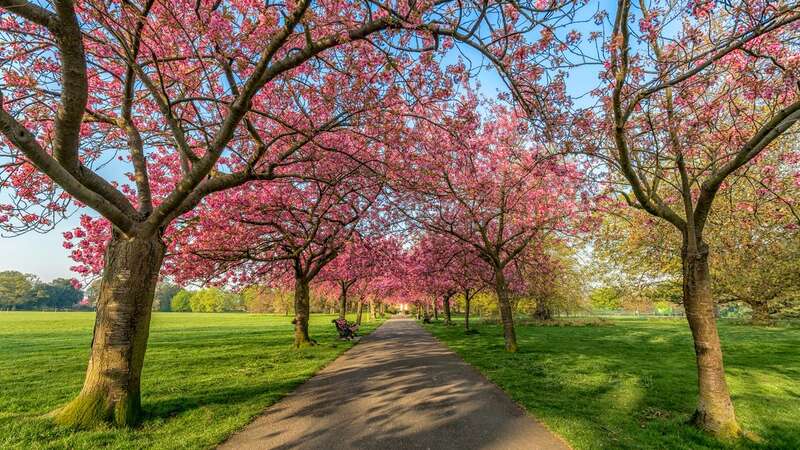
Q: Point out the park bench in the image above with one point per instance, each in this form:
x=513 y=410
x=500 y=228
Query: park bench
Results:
x=346 y=330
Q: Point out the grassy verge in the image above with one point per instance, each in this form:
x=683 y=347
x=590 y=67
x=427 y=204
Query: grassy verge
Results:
x=632 y=384
x=205 y=376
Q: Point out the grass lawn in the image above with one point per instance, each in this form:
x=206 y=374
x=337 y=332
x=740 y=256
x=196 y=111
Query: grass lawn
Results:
x=633 y=384
x=205 y=376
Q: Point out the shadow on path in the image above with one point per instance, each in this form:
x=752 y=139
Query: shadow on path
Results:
x=398 y=389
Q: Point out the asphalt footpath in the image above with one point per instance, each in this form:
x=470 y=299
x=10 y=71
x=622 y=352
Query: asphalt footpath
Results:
x=399 y=388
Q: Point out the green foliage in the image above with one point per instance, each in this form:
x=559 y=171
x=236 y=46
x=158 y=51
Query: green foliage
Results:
x=265 y=299
x=205 y=376
x=16 y=289
x=633 y=385
x=215 y=300
x=25 y=291
x=59 y=293
x=560 y=288
x=164 y=293
x=605 y=298
x=180 y=301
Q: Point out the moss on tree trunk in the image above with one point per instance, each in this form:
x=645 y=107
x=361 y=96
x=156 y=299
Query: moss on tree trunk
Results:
x=111 y=390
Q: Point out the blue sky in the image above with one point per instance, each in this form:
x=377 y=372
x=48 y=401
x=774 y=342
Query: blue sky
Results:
x=44 y=256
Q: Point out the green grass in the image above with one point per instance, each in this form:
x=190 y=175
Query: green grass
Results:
x=633 y=384
x=205 y=376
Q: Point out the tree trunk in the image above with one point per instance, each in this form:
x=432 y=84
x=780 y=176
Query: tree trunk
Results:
x=342 y=301
x=467 y=299
x=542 y=311
x=371 y=309
x=760 y=314
x=435 y=310
x=359 y=312
x=506 y=313
x=715 y=411
x=447 y=317
x=111 y=389
x=302 y=311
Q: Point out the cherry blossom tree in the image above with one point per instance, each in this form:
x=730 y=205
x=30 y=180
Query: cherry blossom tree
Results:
x=686 y=112
x=83 y=82
x=449 y=267
x=482 y=184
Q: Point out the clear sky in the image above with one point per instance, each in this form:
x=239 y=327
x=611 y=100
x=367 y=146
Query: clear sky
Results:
x=39 y=254
x=43 y=254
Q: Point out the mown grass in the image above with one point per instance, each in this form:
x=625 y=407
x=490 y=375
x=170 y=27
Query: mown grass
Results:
x=205 y=376
x=632 y=384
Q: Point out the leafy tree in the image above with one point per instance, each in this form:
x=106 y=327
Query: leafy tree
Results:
x=163 y=297
x=180 y=302
x=219 y=104
x=215 y=300
x=16 y=289
x=59 y=293
x=262 y=299
x=605 y=298
x=686 y=111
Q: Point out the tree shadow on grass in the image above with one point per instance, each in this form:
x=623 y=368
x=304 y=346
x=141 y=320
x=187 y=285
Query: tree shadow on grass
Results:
x=579 y=379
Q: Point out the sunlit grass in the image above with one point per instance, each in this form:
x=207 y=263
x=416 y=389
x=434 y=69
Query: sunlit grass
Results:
x=633 y=384
x=205 y=376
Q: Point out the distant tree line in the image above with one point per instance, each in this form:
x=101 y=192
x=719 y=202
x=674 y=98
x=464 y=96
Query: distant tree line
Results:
x=22 y=291
x=25 y=291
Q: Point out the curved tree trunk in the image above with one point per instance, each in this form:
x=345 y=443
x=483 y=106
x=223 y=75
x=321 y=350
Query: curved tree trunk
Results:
x=111 y=389
x=506 y=312
x=302 y=311
x=342 y=300
x=467 y=300
x=447 y=316
x=715 y=411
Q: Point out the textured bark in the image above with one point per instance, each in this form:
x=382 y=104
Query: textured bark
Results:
x=342 y=300
x=715 y=412
x=447 y=316
x=111 y=389
x=359 y=312
x=302 y=311
x=506 y=313
x=467 y=300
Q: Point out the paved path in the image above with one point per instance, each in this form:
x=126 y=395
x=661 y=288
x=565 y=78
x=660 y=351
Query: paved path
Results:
x=397 y=389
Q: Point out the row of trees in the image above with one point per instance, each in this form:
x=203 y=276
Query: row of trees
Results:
x=268 y=143
x=25 y=291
